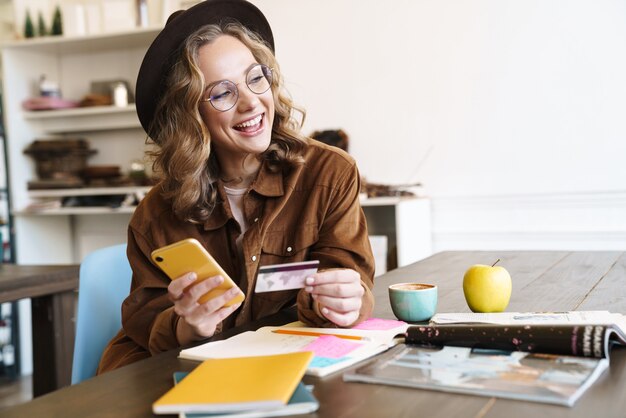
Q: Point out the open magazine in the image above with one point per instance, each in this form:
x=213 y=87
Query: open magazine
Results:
x=516 y=375
x=542 y=357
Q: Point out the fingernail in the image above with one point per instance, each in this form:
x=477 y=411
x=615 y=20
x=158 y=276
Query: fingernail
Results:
x=310 y=280
x=192 y=277
x=324 y=311
x=308 y=289
x=314 y=295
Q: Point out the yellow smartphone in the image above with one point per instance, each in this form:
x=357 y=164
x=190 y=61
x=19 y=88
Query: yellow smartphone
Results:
x=188 y=256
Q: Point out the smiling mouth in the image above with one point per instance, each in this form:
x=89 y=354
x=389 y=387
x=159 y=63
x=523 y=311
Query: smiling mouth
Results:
x=251 y=125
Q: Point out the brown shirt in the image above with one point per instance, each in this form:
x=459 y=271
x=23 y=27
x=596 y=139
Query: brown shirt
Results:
x=311 y=212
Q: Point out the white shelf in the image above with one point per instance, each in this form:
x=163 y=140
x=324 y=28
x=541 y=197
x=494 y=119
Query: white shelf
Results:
x=385 y=201
x=80 y=210
x=88 y=191
x=136 y=38
x=84 y=119
x=77 y=111
x=76 y=211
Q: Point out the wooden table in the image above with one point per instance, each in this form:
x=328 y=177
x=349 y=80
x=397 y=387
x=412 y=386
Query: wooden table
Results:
x=52 y=290
x=541 y=281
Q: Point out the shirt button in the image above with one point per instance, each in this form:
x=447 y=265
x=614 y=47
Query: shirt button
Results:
x=253 y=258
x=289 y=249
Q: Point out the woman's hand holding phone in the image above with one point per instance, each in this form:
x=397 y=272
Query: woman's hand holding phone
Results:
x=201 y=291
x=199 y=320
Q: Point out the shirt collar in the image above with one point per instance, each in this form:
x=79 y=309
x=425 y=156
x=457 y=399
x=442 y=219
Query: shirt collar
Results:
x=267 y=184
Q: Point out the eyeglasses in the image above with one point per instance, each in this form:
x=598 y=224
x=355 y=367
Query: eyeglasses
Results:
x=224 y=94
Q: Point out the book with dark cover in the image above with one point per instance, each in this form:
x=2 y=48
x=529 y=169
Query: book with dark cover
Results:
x=587 y=340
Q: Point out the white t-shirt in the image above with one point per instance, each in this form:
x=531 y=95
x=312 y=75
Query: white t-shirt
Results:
x=235 y=199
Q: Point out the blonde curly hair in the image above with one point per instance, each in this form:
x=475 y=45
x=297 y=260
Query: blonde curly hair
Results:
x=183 y=159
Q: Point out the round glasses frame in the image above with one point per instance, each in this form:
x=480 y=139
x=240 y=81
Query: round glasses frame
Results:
x=224 y=94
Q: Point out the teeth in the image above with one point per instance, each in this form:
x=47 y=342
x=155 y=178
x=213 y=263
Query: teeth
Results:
x=249 y=123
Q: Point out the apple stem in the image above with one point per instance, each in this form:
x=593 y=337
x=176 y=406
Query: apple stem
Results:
x=497 y=261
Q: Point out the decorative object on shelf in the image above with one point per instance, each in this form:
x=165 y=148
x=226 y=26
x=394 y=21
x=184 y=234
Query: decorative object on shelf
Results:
x=74 y=19
x=108 y=92
x=57 y=22
x=29 y=28
x=49 y=97
x=105 y=176
x=142 y=13
x=44 y=205
x=101 y=171
x=186 y=4
x=94 y=99
x=48 y=88
x=387 y=190
x=58 y=183
x=59 y=163
x=335 y=137
x=109 y=201
x=48 y=103
x=138 y=174
x=120 y=94
x=118 y=15
x=42 y=30
x=340 y=139
x=8 y=368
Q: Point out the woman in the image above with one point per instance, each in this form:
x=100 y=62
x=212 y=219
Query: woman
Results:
x=239 y=177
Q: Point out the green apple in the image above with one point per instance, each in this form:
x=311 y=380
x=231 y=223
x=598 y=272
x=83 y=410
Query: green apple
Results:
x=487 y=288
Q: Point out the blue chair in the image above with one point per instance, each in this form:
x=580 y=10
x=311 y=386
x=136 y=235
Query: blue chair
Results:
x=104 y=283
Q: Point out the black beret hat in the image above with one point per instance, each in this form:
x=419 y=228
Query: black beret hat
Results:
x=158 y=59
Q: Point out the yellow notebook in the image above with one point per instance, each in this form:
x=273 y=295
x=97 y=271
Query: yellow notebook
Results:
x=236 y=384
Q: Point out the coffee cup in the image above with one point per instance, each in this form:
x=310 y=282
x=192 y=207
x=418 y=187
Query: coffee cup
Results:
x=413 y=302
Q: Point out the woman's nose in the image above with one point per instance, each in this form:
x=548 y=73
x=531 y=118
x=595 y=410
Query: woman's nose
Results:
x=247 y=99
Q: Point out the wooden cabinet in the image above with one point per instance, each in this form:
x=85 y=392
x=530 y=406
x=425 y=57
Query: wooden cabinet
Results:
x=58 y=236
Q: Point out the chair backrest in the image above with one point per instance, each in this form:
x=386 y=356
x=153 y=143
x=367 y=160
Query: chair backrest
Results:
x=104 y=283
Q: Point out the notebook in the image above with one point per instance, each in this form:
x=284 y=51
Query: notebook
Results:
x=334 y=348
x=302 y=402
x=236 y=384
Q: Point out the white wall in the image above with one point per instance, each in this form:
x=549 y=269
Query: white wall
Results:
x=508 y=111
x=516 y=107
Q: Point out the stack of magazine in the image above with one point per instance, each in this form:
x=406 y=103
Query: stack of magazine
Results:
x=543 y=357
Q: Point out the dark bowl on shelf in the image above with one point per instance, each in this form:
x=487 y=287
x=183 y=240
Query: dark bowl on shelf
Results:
x=101 y=171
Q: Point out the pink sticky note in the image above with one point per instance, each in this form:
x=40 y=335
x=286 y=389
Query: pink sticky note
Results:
x=378 y=324
x=331 y=346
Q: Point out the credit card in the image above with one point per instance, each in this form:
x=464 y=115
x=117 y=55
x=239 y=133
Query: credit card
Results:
x=284 y=276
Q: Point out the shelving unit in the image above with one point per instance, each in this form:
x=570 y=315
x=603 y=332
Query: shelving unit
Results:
x=9 y=324
x=91 y=191
x=65 y=235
